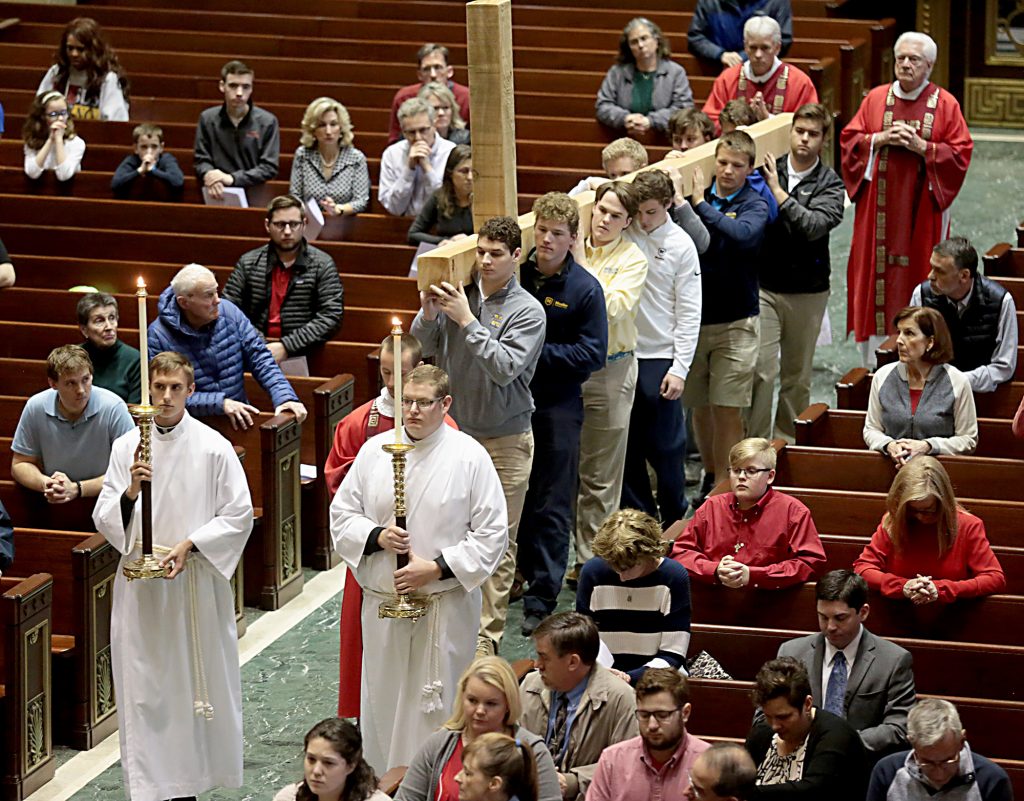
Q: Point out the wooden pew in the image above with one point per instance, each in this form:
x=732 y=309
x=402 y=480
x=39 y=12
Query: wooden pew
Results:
x=1004 y=261
x=843 y=428
x=854 y=388
x=972 y=476
x=846 y=512
x=57 y=307
x=26 y=700
x=83 y=570
x=111 y=275
x=332 y=401
x=940 y=668
x=994 y=620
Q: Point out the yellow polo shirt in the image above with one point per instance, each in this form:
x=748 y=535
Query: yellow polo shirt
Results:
x=621 y=267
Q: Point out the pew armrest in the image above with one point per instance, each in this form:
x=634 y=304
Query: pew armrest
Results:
x=886 y=352
x=390 y=781
x=852 y=389
x=807 y=421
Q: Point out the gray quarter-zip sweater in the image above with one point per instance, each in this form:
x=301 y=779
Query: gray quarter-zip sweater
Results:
x=491 y=361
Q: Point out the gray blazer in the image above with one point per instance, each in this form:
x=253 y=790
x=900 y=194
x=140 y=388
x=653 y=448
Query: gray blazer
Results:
x=671 y=92
x=879 y=693
x=420 y=782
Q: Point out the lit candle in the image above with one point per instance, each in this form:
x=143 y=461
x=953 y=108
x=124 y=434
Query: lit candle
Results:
x=143 y=343
x=396 y=346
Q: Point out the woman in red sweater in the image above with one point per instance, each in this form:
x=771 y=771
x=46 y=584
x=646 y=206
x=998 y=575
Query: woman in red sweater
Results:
x=927 y=547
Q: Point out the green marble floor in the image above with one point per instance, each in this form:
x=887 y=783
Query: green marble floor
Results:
x=293 y=682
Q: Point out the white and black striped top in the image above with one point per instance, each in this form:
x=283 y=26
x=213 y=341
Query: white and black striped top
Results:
x=645 y=622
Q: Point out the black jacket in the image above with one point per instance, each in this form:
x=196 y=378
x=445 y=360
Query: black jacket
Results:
x=795 y=257
x=312 y=307
x=976 y=332
x=835 y=765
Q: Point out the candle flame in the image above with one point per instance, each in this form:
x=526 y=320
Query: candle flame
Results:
x=396 y=326
x=140 y=283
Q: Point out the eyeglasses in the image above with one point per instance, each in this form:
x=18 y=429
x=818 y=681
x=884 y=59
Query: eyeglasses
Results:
x=661 y=715
x=56 y=115
x=926 y=764
x=744 y=472
x=282 y=225
x=422 y=405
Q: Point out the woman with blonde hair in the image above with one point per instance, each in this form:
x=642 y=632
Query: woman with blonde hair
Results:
x=496 y=767
x=327 y=168
x=486 y=701
x=639 y=600
x=50 y=139
x=927 y=547
x=448 y=121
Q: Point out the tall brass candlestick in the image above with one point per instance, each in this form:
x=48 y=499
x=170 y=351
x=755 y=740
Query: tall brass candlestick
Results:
x=146 y=566
x=403 y=606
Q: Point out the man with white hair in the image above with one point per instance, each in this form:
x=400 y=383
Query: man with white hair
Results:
x=904 y=158
x=221 y=343
x=769 y=85
x=412 y=168
x=940 y=765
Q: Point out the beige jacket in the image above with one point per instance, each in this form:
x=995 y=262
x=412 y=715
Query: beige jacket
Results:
x=606 y=716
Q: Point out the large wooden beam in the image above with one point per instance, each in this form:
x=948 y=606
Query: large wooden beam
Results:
x=454 y=262
x=492 y=108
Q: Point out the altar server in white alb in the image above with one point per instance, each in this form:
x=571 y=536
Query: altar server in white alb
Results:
x=173 y=640
x=457 y=532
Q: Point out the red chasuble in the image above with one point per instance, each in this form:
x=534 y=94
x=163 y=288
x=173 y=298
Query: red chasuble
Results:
x=350 y=435
x=902 y=206
x=787 y=90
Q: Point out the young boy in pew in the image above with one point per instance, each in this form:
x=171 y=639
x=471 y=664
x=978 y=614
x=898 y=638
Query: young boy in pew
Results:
x=855 y=674
x=148 y=165
x=753 y=535
x=62 y=443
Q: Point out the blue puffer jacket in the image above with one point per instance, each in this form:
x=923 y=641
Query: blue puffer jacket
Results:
x=717 y=25
x=220 y=353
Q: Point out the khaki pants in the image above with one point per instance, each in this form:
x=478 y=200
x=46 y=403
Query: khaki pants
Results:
x=512 y=456
x=607 y=403
x=790 y=323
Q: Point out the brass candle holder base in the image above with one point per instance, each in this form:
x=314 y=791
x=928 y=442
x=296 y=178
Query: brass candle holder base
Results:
x=145 y=567
x=403 y=606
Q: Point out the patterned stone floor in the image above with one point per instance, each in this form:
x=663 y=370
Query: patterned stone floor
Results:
x=293 y=682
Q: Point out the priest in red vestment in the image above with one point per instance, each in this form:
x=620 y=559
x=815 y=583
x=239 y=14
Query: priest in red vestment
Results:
x=905 y=155
x=372 y=418
x=769 y=85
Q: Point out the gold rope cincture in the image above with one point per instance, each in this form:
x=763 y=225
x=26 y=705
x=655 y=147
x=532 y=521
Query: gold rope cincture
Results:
x=201 y=705
x=430 y=693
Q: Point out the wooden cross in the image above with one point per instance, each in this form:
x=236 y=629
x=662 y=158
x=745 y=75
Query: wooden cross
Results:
x=492 y=111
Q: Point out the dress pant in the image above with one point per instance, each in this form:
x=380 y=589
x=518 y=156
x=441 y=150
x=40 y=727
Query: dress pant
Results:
x=607 y=401
x=657 y=436
x=550 y=507
x=790 y=323
x=512 y=456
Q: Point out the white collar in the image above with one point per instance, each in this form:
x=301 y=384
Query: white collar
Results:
x=850 y=651
x=749 y=72
x=798 y=174
x=385 y=403
x=898 y=90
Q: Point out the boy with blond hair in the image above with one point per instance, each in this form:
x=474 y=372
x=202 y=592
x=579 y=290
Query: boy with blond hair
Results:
x=639 y=599
x=753 y=535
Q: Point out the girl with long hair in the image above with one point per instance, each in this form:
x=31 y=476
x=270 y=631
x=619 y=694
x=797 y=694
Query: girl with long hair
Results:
x=448 y=213
x=86 y=71
x=50 y=139
x=496 y=767
x=334 y=767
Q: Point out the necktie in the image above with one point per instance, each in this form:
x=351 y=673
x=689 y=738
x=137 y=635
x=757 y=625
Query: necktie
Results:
x=558 y=734
x=836 y=686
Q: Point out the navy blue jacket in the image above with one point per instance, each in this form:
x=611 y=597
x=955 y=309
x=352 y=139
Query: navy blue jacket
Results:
x=717 y=25
x=576 y=339
x=6 y=539
x=220 y=353
x=728 y=267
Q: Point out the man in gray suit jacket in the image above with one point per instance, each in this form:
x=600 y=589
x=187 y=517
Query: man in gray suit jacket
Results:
x=854 y=674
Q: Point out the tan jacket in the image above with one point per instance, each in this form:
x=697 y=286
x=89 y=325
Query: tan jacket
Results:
x=606 y=716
